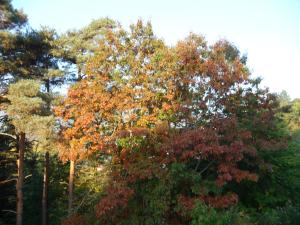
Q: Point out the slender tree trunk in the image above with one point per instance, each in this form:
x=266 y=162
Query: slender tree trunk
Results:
x=20 y=180
x=71 y=186
x=46 y=176
x=45 y=190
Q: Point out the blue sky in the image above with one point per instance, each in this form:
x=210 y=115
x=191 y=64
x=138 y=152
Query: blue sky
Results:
x=267 y=30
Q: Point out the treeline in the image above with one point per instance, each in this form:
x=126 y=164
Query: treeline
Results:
x=147 y=133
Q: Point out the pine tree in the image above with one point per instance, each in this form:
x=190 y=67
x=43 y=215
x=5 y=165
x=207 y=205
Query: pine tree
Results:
x=77 y=46
x=32 y=120
x=10 y=18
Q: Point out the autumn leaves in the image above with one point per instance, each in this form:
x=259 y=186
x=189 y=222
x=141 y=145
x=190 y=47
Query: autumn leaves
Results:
x=148 y=106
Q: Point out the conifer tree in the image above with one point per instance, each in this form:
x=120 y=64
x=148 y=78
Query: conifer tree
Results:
x=10 y=18
x=32 y=120
x=76 y=46
x=30 y=54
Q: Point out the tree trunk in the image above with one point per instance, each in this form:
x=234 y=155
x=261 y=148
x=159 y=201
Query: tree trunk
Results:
x=46 y=175
x=45 y=190
x=71 y=186
x=20 y=180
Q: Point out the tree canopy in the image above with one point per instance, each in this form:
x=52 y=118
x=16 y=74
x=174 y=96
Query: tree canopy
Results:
x=147 y=133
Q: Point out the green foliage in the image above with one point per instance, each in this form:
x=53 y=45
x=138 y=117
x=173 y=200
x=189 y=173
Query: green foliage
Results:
x=7 y=183
x=92 y=179
x=75 y=47
x=27 y=109
x=286 y=215
x=133 y=143
x=58 y=187
x=275 y=197
x=152 y=198
x=29 y=54
x=284 y=99
x=205 y=215
x=150 y=172
x=10 y=17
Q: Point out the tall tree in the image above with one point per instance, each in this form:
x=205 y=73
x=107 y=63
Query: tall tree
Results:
x=11 y=22
x=31 y=119
x=31 y=55
x=49 y=73
x=184 y=109
x=76 y=47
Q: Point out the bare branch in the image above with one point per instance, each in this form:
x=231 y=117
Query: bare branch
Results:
x=8 y=135
x=7 y=181
x=11 y=211
x=208 y=165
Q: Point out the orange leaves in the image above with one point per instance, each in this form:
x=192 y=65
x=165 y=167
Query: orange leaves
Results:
x=166 y=106
x=135 y=131
x=150 y=107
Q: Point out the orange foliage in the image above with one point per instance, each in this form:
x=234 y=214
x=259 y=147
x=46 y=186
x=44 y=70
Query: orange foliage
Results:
x=188 y=103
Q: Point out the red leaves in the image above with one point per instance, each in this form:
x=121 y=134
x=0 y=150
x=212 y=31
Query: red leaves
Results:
x=116 y=197
x=150 y=107
x=225 y=201
x=187 y=203
x=75 y=219
x=221 y=201
x=229 y=172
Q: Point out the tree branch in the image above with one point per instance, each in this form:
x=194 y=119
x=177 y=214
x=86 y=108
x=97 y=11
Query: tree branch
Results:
x=208 y=165
x=11 y=211
x=7 y=181
x=13 y=179
x=8 y=135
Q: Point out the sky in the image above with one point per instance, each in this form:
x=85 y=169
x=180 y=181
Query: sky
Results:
x=268 y=31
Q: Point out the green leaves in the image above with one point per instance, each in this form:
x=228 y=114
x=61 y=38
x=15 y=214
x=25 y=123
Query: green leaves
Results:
x=206 y=215
x=27 y=109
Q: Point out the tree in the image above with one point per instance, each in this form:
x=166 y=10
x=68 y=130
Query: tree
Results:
x=11 y=21
x=283 y=98
x=76 y=46
x=32 y=120
x=186 y=109
x=10 y=17
x=31 y=56
x=49 y=73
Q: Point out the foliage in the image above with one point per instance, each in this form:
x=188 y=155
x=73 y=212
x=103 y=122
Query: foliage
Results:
x=27 y=109
x=10 y=17
x=205 y=215
x=76 y=46
x=192 y=107
x=159 y=134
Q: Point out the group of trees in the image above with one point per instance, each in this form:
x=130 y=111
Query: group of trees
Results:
x=147 y=133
